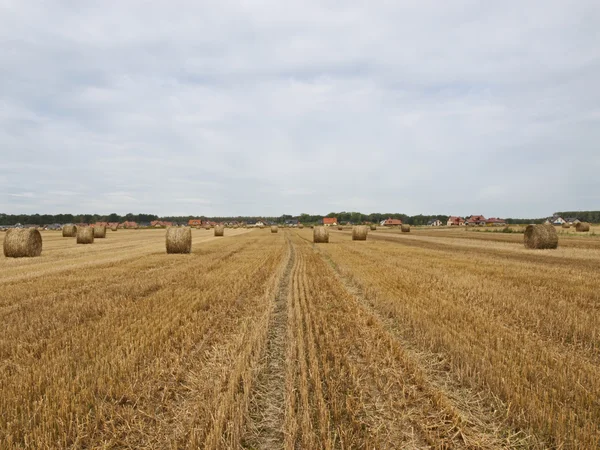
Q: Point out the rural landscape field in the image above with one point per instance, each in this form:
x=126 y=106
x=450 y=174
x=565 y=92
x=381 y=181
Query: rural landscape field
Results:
x=429 y=339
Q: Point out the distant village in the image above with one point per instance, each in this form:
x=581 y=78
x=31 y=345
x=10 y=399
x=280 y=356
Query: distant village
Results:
x=452 y=221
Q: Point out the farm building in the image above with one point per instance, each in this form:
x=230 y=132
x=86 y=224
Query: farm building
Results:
x=495 y=222
x=556 y=220
x=330 y=221
x=195 y=222
x=434 y=223
x=455 y=221
x=159 y=223
x=389 y=222
x=476 y=220
x=572 y=220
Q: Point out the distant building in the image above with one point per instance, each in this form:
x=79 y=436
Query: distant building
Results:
x=330 y=221
x=476 y=220
x=572 y=220
x=455 y=221
x=495 y=222
x=434 y=223
x=159 y=224
x=195 y=222
x=389 y=222
x=556 y=220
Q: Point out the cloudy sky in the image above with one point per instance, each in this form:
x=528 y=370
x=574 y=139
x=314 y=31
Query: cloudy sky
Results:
x=271 y=107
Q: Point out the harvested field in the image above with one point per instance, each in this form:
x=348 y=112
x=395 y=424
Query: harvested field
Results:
x=432 y=339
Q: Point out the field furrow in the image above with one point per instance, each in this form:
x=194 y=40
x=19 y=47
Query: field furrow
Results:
x=265 y=425
x=484 y=325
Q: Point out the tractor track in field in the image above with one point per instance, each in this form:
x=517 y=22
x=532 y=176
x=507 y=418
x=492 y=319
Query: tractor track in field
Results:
x=267 y=408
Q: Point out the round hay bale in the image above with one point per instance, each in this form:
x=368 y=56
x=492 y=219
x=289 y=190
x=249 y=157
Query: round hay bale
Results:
x=235 y=227
x=113 y=229
x=405 y=228
x=541 y=236
x=312 y=227
x=582 y=226
x=261 y=227
x=219 y=230
x=340 y=228
x=274 y=229
x=22 y=242
x=300 y=225
x=85 y=235
x=359 y=233
x=373 y=227
x=99 y=232
x=320 y=235
x=566 y=225
x=69 y=231
x=179 y=240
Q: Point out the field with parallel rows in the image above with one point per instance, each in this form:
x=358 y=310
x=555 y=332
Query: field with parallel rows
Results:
x=260 y=340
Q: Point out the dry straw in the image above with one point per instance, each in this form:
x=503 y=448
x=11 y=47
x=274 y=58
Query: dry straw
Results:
x=113 y=229
x=219 y=230
x=300 y=225
x=320 y=235
x=582 y=226
x=359 y=233
x=373 y=227
x=179 y=240
x=85 y=235
x=69 y=231
x=274 y=229
x=405 y=228
x=99 y=232
x=566 y=225
x=541 y=236
x=340 y=228
x=25 y=242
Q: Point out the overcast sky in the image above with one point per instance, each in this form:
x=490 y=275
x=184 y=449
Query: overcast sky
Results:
x=272 y=107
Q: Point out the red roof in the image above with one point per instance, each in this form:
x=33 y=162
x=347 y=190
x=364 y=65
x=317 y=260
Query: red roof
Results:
x=476 y=219
x=455 y=220
x=329 y=220
x=391 y=222
x=194 y=222
x=495 y=220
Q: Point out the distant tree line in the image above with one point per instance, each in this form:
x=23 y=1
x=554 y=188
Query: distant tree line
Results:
x=342 y=217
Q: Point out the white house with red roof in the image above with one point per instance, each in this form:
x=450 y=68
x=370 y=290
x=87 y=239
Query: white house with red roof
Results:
x=455 y=221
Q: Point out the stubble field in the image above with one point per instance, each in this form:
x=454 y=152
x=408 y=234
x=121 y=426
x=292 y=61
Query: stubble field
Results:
x=427 y=339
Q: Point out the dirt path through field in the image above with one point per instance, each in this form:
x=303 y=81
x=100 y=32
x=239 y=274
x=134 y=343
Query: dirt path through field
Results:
x=265 y=429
